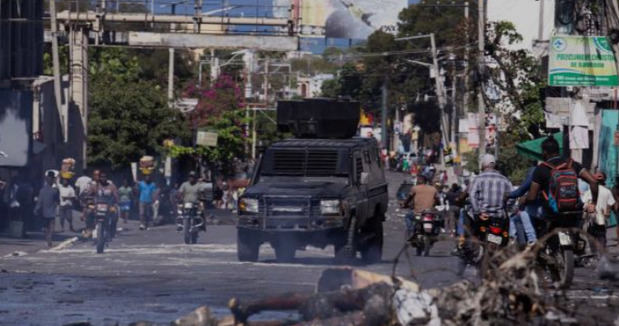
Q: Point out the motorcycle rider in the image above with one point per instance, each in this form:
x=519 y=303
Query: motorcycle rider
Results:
x=423 y=197
x=104 y=192
x=543 y=174
x=86 y=194
x=489 y=190
x=189 y=191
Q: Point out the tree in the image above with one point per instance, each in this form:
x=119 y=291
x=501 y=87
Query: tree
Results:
x=129 y=117
x=219 y=110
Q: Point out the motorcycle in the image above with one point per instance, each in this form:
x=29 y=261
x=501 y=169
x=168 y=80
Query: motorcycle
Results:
x=190 y=221
x=425 y=232
x=557 y=255
x=491 y=234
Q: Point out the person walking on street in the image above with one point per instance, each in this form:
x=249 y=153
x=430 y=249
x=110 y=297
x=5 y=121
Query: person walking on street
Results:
x=124 y=194
x=146 y=189
x=67 y=195
x=47 y=204
x=600 y=210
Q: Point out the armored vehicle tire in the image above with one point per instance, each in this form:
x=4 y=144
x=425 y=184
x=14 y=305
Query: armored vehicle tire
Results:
x=346 y=245
x=247 y=246
x=372 y=250
x=344 y=253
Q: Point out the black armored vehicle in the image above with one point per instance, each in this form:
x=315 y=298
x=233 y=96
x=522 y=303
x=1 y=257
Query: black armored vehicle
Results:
x=324 y=187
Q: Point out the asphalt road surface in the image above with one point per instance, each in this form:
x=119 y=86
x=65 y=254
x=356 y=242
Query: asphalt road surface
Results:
x=152 y=276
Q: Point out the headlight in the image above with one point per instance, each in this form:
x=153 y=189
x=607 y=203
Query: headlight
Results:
x=248 y=205
x=330 y=207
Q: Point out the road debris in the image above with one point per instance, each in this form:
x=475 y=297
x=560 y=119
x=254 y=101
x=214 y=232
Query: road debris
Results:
x=514 y=292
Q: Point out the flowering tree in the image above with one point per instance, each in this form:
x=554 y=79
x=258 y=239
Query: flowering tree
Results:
x=220 y=110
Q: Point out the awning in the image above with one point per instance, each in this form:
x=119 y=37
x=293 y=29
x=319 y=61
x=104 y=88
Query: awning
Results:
x=532 y=149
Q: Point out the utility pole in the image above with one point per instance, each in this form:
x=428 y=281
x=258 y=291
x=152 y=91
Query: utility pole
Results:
x=440 y=94
x=540 y=28
x=481 y=24
x=254 y=134
x=454 y=107
x=465 y=95
x=56 y=67
x=383 y=131
x=171 y=77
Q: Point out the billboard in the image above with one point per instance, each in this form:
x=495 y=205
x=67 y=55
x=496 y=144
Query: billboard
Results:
x=581 y=61
x=353 y=19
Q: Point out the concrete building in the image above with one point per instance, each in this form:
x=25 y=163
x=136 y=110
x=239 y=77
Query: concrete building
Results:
x=309 y=87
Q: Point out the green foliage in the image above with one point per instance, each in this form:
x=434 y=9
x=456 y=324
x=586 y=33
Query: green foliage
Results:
x=129 y=117
x=229 y=140
x=220 y=109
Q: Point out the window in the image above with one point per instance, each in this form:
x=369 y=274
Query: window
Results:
x=358 y=168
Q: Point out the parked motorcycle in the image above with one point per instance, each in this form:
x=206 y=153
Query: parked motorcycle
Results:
x=190 y=221
x=425 y=232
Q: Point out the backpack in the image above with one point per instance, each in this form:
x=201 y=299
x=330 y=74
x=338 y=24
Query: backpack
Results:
x=562 y=194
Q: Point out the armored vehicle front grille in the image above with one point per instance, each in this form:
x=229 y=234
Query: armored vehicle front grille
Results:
x=321 y=162
x=297 y=162
x=289 y=161
x=287 y=206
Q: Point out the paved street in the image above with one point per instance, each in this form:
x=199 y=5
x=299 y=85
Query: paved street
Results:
x=151 y=275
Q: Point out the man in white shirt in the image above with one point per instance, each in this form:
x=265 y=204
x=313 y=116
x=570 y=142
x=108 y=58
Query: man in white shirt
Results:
x=600 y=211
x=65 y=210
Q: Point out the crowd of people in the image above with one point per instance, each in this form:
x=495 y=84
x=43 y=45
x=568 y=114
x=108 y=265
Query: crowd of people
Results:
x=552 y=187
x=52 y=207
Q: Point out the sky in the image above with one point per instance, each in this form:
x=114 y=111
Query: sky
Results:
x=252 y=8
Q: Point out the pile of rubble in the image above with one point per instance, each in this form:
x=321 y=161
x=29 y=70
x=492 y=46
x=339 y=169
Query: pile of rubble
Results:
x=513 y=293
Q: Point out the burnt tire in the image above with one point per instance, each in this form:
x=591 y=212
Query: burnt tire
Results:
x=372 y=250
x=247 y=246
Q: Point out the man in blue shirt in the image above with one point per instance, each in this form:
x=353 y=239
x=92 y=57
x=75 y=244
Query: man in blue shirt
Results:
x=147 y=190
x=524 y=214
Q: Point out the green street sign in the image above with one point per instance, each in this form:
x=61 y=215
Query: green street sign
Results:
x=581 y=61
